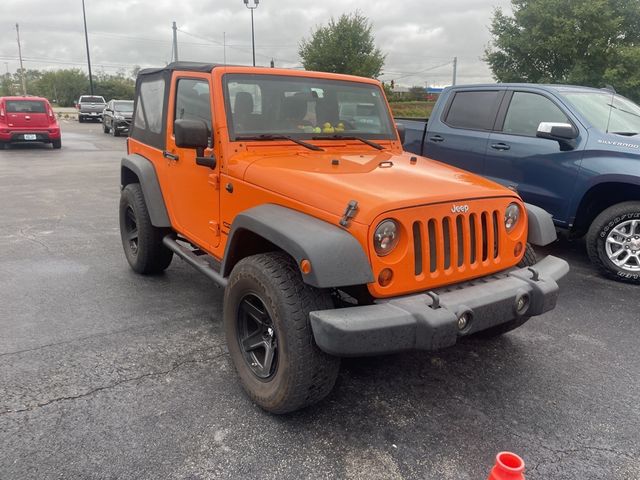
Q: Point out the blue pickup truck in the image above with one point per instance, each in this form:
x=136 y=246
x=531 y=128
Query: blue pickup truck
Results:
x=574 y=151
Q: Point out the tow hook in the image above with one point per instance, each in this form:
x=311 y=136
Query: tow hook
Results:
x=535 y=276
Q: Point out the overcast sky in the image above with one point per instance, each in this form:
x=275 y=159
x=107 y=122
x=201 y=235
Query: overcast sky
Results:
x=419 y=37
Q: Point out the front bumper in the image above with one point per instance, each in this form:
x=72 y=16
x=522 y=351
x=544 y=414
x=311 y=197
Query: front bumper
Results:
x=122 y=125
x=429 y=321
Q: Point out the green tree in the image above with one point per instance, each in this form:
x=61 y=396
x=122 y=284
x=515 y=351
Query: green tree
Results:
x=343 y=46
x=585 y=42
x=417 y=93
x=114 y=86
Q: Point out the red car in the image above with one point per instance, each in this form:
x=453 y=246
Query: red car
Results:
x=26 y=120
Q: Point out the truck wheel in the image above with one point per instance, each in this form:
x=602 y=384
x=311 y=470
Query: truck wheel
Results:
x=105 y=129
x=613 y=242
x=80 y=119
x=142 y=242
x=266 y=320
x=529 y=258
x=56 y=143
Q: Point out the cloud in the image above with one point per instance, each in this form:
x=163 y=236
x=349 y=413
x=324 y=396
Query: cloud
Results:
x=420 y=38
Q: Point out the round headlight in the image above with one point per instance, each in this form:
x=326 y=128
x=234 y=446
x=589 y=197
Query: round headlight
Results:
x=511 y=216
x=386 y=237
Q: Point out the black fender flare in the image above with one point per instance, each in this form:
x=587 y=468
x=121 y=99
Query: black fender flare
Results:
x=137 y=169
x=337 y=258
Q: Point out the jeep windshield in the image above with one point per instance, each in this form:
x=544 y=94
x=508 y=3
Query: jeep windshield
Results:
x=305 y=108
x=597 y=107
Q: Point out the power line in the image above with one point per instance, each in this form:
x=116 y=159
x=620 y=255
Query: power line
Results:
x=235 y=47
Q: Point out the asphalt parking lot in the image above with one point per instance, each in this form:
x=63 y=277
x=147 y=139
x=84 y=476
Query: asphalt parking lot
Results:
x=106 y=374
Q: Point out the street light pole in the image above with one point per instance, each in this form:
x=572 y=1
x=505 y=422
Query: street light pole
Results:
x=252 y=6
x=86 y=39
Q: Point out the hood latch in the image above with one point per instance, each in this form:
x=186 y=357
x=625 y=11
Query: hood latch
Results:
x=349 y=213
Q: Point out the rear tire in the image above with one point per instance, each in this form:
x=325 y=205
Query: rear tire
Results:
x=57 y=143
x=142 y=242
x=266 y=321
x=612 y=235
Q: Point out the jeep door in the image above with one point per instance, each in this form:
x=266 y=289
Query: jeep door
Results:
x=543 y=171
x=459 y=136
x=193 y=189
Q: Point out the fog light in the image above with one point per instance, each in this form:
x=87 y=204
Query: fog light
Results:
x=522 y=304
x=463 y=320
x=385 y=277
x=518 y=250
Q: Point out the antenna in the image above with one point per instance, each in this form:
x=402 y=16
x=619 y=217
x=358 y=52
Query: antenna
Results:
x=610 y=88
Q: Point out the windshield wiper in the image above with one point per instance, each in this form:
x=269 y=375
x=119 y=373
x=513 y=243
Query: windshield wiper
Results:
x=266 y=137
x=347 y=137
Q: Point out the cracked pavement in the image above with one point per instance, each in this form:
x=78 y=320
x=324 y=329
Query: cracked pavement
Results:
x=106 y=374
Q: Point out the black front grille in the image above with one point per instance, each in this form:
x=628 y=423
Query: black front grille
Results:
x=453 y=242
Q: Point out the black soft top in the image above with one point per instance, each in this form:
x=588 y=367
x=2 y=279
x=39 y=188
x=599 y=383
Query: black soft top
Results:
x=182 y=66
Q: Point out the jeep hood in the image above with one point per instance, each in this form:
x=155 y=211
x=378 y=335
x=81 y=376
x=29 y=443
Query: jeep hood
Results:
x=380 y=181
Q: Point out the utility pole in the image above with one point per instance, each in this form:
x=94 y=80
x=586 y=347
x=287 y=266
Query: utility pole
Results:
x=6 y=64
x=455 y=69
x=24 y=85
x=175 y=42
x=224 y=47
x=86 y=40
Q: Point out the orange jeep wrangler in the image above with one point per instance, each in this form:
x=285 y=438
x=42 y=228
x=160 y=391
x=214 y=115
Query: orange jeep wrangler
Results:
x=290 y=190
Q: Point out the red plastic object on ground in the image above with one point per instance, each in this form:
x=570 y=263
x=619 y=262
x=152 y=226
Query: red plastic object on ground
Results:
x=509 y=466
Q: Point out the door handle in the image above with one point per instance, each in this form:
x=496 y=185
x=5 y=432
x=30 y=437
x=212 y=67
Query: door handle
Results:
x=170 y=156
x=500 y=146
x=436 y=138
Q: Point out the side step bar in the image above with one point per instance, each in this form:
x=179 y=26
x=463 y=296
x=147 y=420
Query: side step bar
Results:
x=196 y=261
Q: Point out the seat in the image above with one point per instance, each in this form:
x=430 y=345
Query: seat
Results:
x=242 y=111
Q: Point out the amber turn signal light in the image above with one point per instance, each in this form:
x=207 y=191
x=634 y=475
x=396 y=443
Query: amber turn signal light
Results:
x=305 y=266
x=385 y=277
x=517 y=250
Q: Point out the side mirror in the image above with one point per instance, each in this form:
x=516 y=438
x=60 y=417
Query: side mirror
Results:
x=401 y=132
x=191 y=134
x=563 y=133
x=556 y=131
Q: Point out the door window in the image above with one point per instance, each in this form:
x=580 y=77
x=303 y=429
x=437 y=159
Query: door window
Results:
x=527 y=110
x=193 y=101
x=473 y=110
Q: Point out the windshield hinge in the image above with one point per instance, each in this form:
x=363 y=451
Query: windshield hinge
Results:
x=349 y=213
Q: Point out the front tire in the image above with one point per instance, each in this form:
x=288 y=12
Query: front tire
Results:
x=105 y=129
x=142 y=242
x=613 y=242
x=266 y=320
x=529 y=258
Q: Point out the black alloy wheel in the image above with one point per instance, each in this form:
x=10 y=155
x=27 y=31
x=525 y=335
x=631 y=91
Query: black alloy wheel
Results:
x=131 y=229
x=257 y=337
